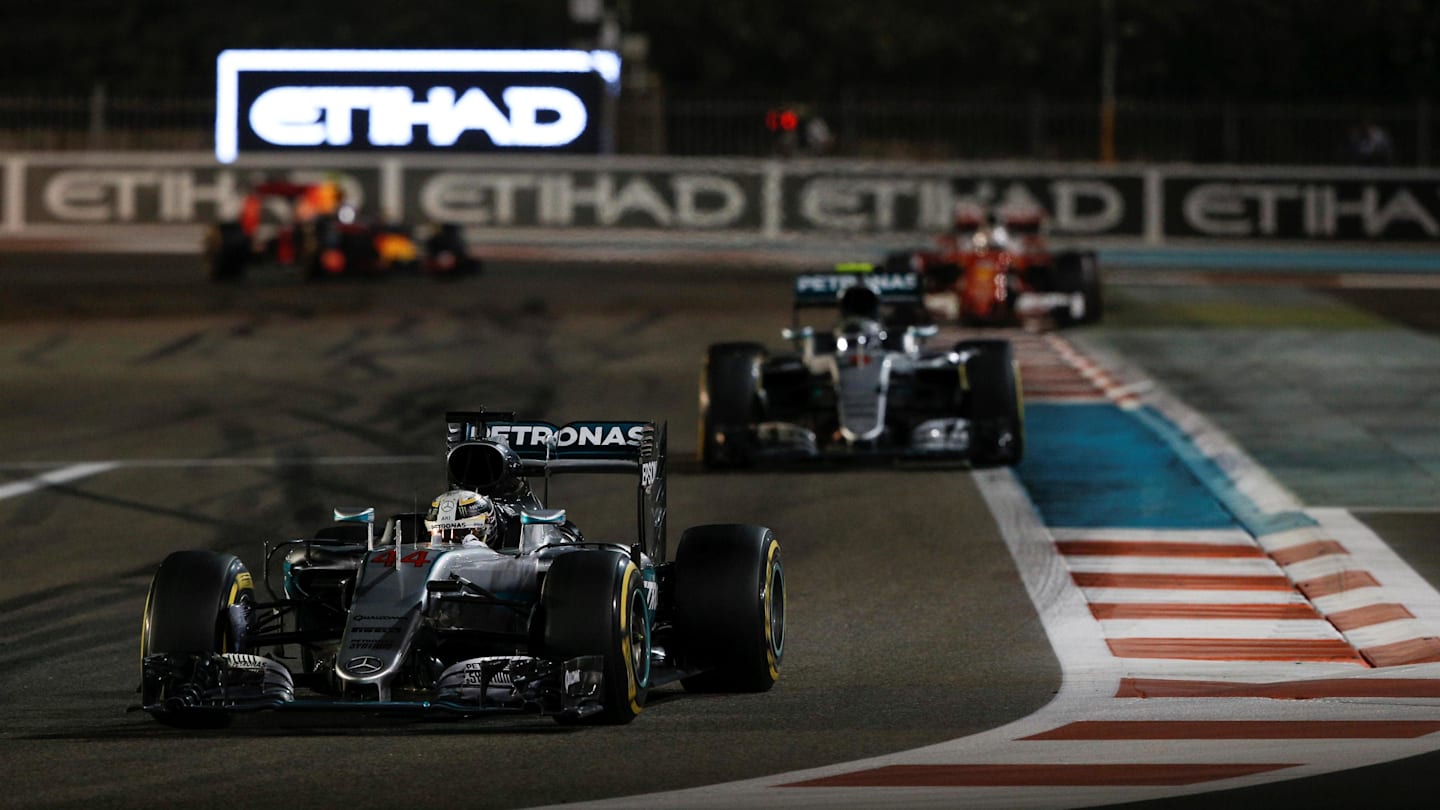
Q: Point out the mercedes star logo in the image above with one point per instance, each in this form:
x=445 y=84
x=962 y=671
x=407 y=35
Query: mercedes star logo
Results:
x=364 y=665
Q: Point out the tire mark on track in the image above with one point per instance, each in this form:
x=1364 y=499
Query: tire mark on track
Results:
x=170 y=349
x=35 y=355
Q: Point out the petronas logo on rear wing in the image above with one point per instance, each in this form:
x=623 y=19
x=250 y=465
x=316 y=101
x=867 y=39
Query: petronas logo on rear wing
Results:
x=820 y=289
x=618 y=440
x=621 y=441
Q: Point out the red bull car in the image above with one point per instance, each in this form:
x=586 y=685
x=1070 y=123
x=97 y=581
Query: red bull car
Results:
x=322 y=237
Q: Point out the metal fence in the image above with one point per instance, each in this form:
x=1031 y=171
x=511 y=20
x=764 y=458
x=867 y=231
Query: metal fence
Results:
x=863 y=125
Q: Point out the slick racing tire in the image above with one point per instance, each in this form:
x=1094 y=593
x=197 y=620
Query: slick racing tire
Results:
x=226 y=248
x=730 y=607
x=594 y=603
x=1079 y=271
x=730 y=402
x=995 y=402
x=446 y=254
x=189 y=611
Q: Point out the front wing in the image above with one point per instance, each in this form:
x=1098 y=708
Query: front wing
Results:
x=196 y=684
x=949 y=439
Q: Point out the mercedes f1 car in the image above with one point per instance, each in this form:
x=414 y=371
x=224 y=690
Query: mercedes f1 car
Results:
x=865 y=388
x=488 y=602
x=1000 y=271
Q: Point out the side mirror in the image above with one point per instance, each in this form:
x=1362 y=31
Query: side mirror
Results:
x=357 y=514
x=354 y=514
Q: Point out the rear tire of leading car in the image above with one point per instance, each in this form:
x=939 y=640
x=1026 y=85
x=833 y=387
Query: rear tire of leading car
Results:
x=730 y=607
x=996 y=405
x=446 y=254
x=188 y=611
x=1079 y=272
x=226 y=250
x=729 y=402
x=594 y=603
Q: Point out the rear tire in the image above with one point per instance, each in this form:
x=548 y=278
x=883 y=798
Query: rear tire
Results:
x=447 y=255
x=594 y=603
x=729 y=402
x=1079 y=271
x=730 y=607
x=995 y=402
x=227 y=249
x=188 y=611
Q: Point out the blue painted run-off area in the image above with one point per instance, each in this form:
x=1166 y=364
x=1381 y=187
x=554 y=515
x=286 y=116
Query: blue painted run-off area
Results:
x=1094 y=465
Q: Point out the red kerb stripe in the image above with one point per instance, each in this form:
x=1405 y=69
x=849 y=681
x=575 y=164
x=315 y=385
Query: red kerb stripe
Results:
x=1336 y=583
x=1241 y=730
x=1234 y=649
x=1412 y=651
x=1308 y=551
x=1370 y=614
x=1201 y=582
x=1281 y=690
x=1181 y=610
x=1040 y=775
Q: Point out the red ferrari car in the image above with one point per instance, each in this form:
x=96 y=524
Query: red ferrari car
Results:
x=998 y=270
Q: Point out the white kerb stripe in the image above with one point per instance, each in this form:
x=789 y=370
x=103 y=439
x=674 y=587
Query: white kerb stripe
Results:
x=1180 y=566
x=1219 y=537
x=54 y=477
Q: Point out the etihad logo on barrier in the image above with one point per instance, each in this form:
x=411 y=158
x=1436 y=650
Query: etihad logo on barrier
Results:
x=293 y=99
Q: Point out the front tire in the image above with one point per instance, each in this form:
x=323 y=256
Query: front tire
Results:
x=594 y=603
x=1079 y=271
x=197 y=605
x=729 y=402
x=226 y=250
x=730 y=607
x=995 y=402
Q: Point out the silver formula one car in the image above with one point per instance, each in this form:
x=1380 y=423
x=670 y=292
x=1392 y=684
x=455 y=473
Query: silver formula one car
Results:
x=488 y=602
x=865 y=388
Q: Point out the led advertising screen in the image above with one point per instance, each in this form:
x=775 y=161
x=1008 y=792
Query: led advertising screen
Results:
x=412 y=100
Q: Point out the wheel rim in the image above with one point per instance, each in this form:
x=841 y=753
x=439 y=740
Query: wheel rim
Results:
x=639 y=638
x=774 y=602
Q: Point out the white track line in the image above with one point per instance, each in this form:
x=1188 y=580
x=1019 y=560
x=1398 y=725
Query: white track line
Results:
x=54 y=477
x=65 y=471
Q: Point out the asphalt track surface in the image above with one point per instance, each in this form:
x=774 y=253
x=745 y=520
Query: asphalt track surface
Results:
x=242 y=413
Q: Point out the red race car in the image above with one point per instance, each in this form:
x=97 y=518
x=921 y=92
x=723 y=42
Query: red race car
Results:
x=997 y=270
x=322 y=237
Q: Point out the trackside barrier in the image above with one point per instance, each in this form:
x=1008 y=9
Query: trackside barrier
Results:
x=97 y=198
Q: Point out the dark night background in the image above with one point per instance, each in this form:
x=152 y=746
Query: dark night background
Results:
x=1298 y=50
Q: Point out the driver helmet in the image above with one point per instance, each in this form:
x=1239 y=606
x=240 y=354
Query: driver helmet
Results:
x=461 y=516
x=860 y=301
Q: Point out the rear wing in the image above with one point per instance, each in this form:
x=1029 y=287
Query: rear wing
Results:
x=580 y=447
x=825 y=289
x=572 y=447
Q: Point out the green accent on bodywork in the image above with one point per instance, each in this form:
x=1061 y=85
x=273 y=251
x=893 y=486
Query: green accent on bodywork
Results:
x=527 y=519
x=854 y=267
x=345 y=514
